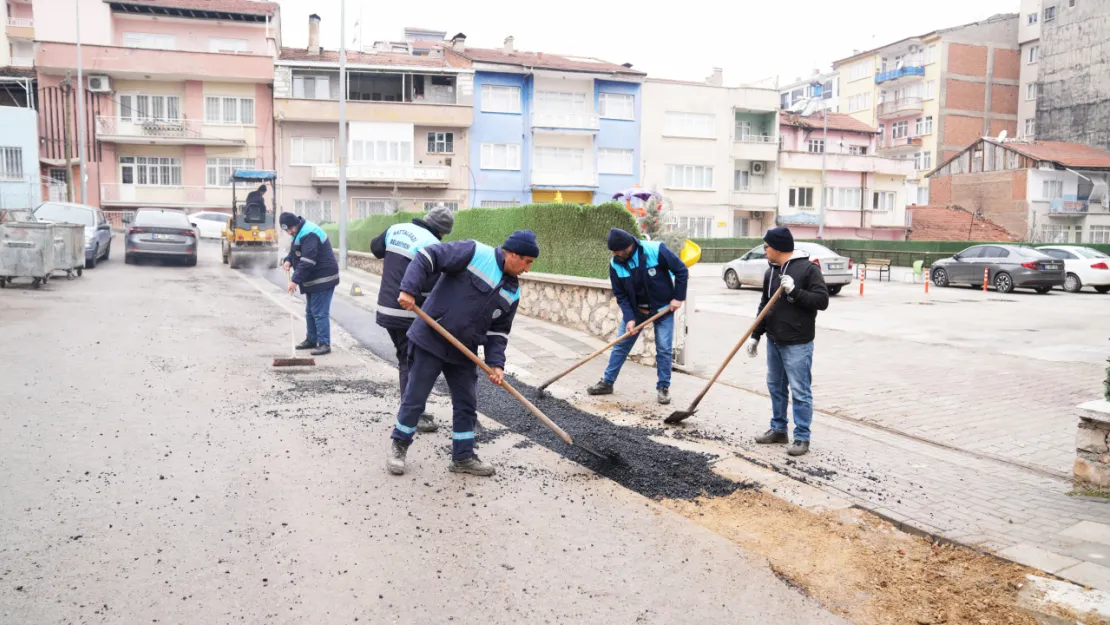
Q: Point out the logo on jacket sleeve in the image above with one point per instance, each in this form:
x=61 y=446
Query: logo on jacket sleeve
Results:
x=651 y=272
x=496 y=313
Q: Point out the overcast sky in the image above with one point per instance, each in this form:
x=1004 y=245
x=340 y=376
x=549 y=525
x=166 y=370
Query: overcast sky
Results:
x=685 y=40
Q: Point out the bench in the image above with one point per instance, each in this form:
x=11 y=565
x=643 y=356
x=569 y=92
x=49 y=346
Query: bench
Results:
x=882 y=264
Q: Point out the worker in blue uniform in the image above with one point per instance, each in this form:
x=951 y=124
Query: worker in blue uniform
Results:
x=317 y=274
x=398 y=245
x=475 y=300
x=646 y=278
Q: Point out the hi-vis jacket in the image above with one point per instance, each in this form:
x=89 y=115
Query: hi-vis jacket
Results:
x=314 y=266
x=661 y=272
x=398 y=245
x=474 y=299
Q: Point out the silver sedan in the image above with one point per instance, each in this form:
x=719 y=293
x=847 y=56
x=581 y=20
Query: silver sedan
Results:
x=748 y=270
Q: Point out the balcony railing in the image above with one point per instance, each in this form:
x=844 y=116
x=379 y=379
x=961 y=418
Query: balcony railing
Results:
x=901 y=72
x=1068 y=207
x=564 y=178
x=756 y=188
x=119 y=194
x=22 y=61
x=172 y=131
x=750 y=138
x=21 y=22
x=574 y=121
x=904 y=105
x=901 y=143
x=385 y=174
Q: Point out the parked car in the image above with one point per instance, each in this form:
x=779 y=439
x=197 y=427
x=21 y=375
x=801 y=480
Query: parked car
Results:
x=161 y=233
x=98 y=232
x=748 y=270
x=1008 y=267
x=1084 y=266
x=210 y=224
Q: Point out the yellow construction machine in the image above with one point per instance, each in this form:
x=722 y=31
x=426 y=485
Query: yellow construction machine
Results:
x=250 y=236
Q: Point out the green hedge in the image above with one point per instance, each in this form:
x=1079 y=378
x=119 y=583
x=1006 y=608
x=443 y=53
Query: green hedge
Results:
x=571 y=236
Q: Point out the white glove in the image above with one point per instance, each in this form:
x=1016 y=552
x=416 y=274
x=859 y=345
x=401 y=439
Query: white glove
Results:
x=753 y=347
x=787 y=283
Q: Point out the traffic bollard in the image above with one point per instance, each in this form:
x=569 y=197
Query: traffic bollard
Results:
x=862 y=277
x=986 y=274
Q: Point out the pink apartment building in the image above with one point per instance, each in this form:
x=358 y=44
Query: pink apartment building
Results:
x=178 y=93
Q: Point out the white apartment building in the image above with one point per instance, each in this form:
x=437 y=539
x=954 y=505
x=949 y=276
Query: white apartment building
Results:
x=819 y=92
x=1029 y=38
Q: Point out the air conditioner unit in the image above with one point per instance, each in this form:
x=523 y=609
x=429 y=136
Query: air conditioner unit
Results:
x=758 y=168
x=99 y=84
x=447 y=161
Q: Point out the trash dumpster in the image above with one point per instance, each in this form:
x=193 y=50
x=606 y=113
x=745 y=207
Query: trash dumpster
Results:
x=69 y=249
x=26 y=251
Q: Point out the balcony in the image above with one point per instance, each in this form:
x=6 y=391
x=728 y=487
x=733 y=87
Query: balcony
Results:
x=899 y=108
x=755 y=197
x=114 y=194
x=22 y=61
x=756 y=147
x=901 y=75
x=419 y=114
x=901 y=145
x=847 y=162
x=565 y=121
x=564 y=179
x=20 y=28
x=169 y=65
x=1068 y=208
x=384 y=175
x=167 y=132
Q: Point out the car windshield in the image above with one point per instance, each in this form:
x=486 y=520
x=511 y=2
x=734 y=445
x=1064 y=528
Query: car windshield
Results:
x=1087 y=252
x=161 y=219
x=60 y=213
x=1028 y=252
x=816 y=251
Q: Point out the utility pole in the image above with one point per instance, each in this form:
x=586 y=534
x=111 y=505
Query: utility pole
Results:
x=343 y=134
x=824 y=157
x=80 y=108
x=66 y=88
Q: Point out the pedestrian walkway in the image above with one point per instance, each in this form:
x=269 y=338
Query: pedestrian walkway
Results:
x=1023 y=515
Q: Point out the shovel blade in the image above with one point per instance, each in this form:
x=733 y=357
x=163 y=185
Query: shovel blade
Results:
x=678 y=416
x=294 y=362
x=597 y=454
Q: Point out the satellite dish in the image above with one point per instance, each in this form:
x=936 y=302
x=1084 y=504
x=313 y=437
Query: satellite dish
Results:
x=1002 y=136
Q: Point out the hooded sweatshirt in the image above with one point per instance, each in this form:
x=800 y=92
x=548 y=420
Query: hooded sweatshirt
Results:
x=793 y=320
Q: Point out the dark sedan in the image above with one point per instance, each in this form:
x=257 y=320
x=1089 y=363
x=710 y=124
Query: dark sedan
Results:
x=161 y=233
x=1007 y=267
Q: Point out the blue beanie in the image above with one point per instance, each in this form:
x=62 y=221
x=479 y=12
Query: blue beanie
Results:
x=288 y=220
x=522 y=242
x=780 y=239
x=620 y=240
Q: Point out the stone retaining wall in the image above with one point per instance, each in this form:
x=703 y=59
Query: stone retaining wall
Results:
x=1092 y=444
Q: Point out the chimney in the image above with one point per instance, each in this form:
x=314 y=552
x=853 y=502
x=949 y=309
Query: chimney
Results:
x=314 y=35
x=717 y=78
x=458 y=43
x=509 y=45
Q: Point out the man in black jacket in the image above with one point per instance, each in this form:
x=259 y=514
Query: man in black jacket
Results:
x=790 y=328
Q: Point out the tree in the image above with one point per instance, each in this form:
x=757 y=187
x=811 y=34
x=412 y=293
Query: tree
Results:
x=660 y=223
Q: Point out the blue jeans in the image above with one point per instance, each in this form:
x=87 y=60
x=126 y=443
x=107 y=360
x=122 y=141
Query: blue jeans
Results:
x=317 y=316
x=789 y=367
x=664 y=351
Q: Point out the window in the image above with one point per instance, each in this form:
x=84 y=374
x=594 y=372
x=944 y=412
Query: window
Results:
x=900 y=130
x=859 y=70
x=923 y=161
x=560 y=102
x=1031 y=91
x=1052 y=189
x=133 y=107
x=381 y=151
x=741 y=179
x=1034 y=54
x=364 y=207
x=784 y=101
x=312 y=87
x=224 y=110
x=696 y=227
x=743 y=129
x=695 y=177
x=1030 y=127
x=923 y=196
x=149 y=41
x=318 y=211
x=859 y=102
x=57 y=174
x=883 y=200
x=441 y=142
x=923 y=126
x=11 y=163
x=500 y=156
x=697 y=125
x=551 y=158
x=931 y=53
x=500 y=99
x=857 y=150
x=158 y=171
x=613 y=161
x=430 y=204
x=1049 y=13
x=617 y=106
x=848 y=198
x=499 y=204
x=1098 y=234
x=930 y=89
x=800 y=197
x=220 y=170
x=313 y=151
x=1053 y=234
x=216 y=44
x=827 y=90
x=816 y=146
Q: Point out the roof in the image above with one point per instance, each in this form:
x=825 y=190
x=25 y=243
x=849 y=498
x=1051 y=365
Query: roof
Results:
x=240 y=7
x=399 y=59
x=940 y=31
x=837 y=121
x=943 y=223
x=544 y=60
x=1062 y=152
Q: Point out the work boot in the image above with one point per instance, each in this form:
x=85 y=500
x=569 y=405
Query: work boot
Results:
x=471 y=465
x=771 y=437
x=306 y=344
x=427 y=424
x=396 y=461
x=321 y=350
x=798 y=448
x=601 y=388
x=663 y=396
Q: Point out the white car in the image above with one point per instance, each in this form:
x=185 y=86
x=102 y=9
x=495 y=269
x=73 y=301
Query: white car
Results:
x=1084 y=266
x=210 y=224
x=748 y=270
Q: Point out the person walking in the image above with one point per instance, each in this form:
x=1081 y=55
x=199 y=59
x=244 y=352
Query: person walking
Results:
x=398 y=245
x=646 y=277
x=790 y=328
x=317 y=274
x=475 y=300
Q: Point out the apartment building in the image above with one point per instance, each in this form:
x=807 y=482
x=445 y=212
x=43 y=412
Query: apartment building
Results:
x=409 y=112
x=1029 y=40
x=19 y=155
x=932 y=95
x=712 y=151
x=865 y=193
x=17 y=38
x=819 y=92
x=177 y=95
x=550 y=126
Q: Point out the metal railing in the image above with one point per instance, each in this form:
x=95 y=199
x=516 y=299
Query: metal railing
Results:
x=898 y=106
x=167 y=129
x=21 y=22
x=750 y=138
x=384 y=173
x=901 y=72
x=755 y=188
x=1068 y=207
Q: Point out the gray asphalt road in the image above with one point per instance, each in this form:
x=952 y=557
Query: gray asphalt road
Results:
x=155 y=468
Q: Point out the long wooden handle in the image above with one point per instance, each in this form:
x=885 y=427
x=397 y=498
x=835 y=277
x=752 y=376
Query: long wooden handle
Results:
x=747 y=335
x=505 y=385
x=604 y=349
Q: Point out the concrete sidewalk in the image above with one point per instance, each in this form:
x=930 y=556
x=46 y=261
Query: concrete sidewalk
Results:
x=1020 y=515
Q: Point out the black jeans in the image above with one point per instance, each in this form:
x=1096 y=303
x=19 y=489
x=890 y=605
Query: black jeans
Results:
x=401 y=345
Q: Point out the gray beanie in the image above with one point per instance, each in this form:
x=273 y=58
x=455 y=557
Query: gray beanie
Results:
x=441 y=218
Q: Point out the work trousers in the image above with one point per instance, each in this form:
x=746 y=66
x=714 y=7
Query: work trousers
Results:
x=462 y=381
x=317 y=316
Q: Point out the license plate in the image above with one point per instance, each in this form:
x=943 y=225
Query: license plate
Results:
x=836 y=266
x=163 y=237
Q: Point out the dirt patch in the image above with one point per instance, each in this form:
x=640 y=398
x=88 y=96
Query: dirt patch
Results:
x=863 y=568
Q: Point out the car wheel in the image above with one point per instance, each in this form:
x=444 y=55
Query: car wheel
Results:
x=1043 y=289
x=732 y=281
x=835 y=290
x=191 y=262
x=80 y=270
x=1103 y=289
x=1072 y=283
x=232 y=259
x=90 y=263
x=1003 y=282
x=940 y=277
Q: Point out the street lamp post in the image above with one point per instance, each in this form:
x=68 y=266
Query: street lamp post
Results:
x=342 y=134
x=824 y=157
x=80 y=107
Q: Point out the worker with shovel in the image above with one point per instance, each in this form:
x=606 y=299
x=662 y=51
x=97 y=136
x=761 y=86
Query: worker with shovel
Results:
x=475 y=301
x=317 y=274
x=398 y=246
x=646 y=278
x=790 y=327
